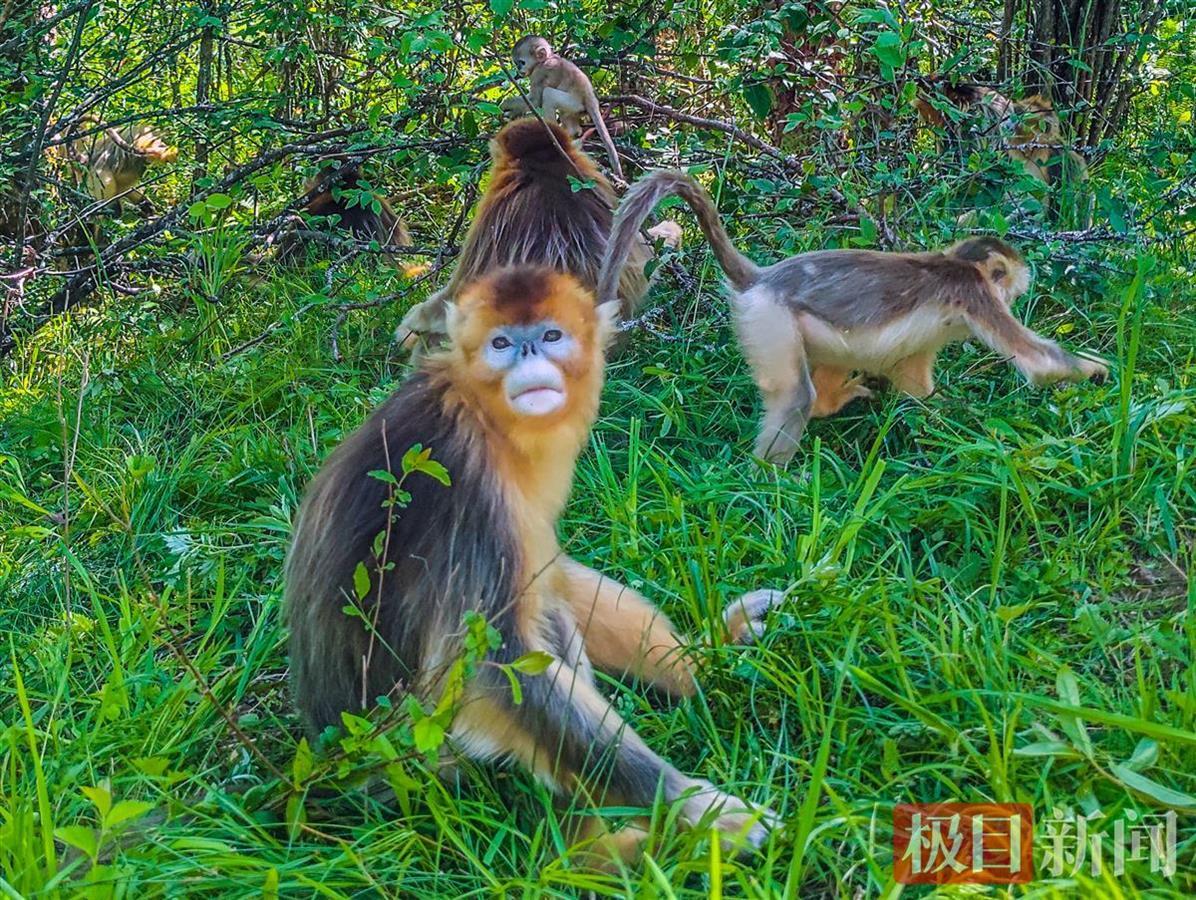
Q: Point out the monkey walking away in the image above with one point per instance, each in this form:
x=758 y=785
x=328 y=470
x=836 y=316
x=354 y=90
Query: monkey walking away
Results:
x=560 y=91
x=530 y=213
x=114 y=161
x=506 y=408
x=812 y=326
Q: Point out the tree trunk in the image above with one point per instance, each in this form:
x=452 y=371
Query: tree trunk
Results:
x=203 y=87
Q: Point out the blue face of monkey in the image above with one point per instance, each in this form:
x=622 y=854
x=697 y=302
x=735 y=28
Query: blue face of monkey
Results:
x=529 y=358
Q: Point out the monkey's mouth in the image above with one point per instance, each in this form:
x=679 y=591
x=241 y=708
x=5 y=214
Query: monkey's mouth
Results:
x=539 y=400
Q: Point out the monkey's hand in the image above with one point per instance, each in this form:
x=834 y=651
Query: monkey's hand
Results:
x=1070 y=368
x=738 y=822
x=514 y=107
x=744 y=616
x=423 y=325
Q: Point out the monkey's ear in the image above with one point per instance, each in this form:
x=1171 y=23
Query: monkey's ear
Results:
x=999 y=273
x=542 y=52
x=452 y=319
x=608 y=321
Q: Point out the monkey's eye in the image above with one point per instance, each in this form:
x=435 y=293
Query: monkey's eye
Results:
x=552 y=335
x=500 y=343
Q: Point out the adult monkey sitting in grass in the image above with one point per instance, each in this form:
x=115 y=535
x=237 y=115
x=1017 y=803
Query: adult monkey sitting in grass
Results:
x=505 y=410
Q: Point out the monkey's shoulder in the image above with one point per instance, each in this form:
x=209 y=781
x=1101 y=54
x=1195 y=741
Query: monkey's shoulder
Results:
x=416 y=471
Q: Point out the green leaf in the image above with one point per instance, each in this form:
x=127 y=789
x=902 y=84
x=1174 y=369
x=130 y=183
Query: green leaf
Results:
x=1069 y=692
x=198 y=211
x=516 y=687
x=428 y=735
x=218 y=201
x=361 y=581
x=1152 y=789
x=80 y=837
x=1048 y=748
x=301 y=764
x=888 y=49
x=100 y=797
x=383 y=475
x=759 y=98
x=296 y=814
x=534 y=663
x=1145 y=755
x=419 y=459
x=876 y=17
x=890 y=759
x=501 y=7
x=126 y=810
x=1008 y=613
x=153 y=766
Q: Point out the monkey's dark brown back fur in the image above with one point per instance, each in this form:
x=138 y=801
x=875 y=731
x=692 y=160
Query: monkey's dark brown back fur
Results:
x=450 y=548
x=360 y=221
x=531 y=213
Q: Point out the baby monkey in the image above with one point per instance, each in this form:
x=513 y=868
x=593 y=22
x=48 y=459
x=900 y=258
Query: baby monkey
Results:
x=815 y=325
x=561 y=91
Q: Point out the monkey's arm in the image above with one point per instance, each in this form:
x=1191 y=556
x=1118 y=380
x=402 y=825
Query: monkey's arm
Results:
x=623 y=632
x=1040 y=360
x=515 y=106
x=535 y=91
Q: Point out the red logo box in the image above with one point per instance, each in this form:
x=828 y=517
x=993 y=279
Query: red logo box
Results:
x=963 y=843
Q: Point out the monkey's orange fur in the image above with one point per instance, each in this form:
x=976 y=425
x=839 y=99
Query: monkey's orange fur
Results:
x=487 y=543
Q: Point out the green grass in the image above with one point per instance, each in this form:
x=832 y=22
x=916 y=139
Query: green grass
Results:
x=991 y=598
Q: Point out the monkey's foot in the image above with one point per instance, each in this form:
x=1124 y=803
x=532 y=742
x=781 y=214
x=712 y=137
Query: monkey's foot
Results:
x=423 y=325
x=738 y=822
x=1092 y=370
x=418 y=343
x=605 y=850
x=856 y=389
x=744 y=616
x=831 y=397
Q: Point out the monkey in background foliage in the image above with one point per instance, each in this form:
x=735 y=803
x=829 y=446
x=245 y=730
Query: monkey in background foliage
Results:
x=546 y=203
x=807 y=323
x=506 y=408
x=114 y=161
x=1030 y=133
x=345 y=200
